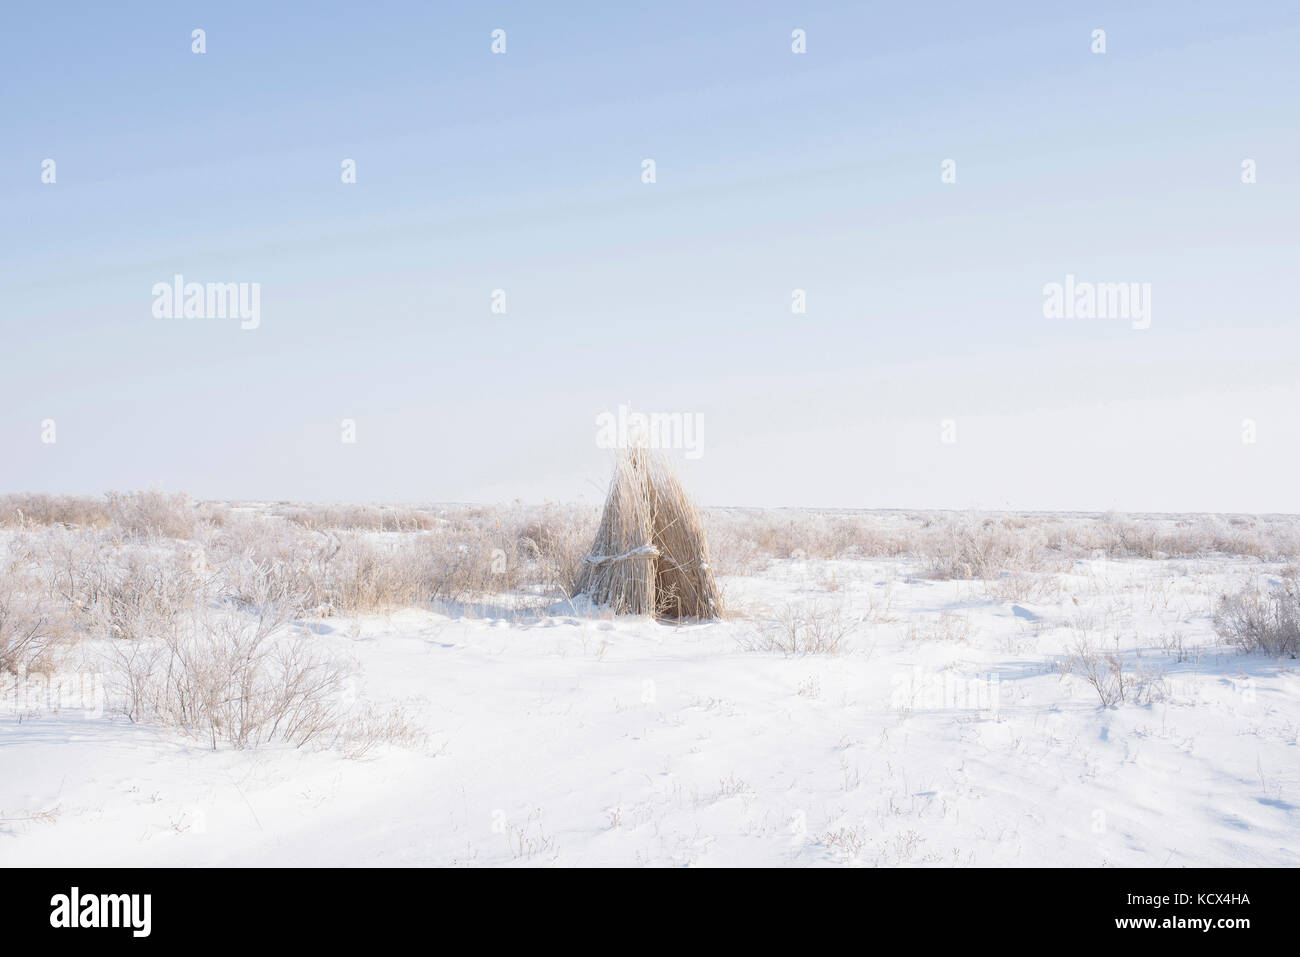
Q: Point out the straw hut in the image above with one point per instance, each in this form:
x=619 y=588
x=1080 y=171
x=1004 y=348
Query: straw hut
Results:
x=650 y=555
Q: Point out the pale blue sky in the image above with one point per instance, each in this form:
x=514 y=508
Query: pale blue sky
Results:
x=776 y=171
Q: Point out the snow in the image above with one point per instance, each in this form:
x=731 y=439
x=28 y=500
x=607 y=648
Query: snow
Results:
x=945 y=733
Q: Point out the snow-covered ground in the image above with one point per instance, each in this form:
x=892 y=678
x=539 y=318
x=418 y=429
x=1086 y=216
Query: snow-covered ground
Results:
x=946 y=731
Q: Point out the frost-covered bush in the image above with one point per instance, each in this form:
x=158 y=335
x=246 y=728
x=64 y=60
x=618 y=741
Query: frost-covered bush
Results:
x=1262 y=620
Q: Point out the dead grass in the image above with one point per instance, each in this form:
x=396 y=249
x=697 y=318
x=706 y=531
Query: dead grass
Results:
x=153 y=515
x=988 y=547
x=1113 y=682
x=369 y=518
x=796 y=630
x=34 y=511
x=948 y=626
x=198 y=601
x=192 y=605
x=371 y=727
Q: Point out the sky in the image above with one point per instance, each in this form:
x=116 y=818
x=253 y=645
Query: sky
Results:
x=923 y=372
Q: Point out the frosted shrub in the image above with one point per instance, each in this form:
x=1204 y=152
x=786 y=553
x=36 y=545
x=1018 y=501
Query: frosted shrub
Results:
x=24 y=633
x=234 y=681
x=1264 y=621
x=153 y=514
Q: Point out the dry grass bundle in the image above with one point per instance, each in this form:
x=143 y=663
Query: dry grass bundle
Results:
x=650 y=555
